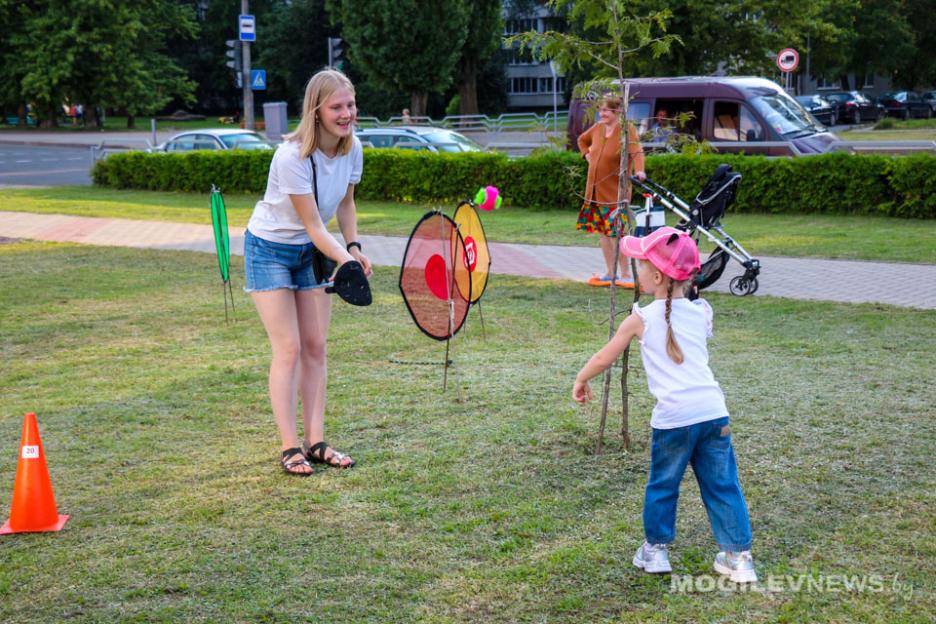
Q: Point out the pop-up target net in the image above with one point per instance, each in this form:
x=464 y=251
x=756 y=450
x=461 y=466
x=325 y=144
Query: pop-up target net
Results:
x=435 y=279
x=477 y=253
x=222 y=246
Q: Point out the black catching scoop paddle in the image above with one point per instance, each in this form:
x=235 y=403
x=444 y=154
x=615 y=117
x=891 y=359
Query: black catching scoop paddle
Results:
x=351 y=284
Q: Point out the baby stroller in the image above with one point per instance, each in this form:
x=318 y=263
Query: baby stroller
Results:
x=704 y=217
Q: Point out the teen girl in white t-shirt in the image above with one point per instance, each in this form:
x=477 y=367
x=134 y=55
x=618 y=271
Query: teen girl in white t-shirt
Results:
x=322 y=159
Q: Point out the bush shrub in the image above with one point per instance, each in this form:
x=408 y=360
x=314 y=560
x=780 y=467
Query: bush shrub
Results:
x=839 y=183
x=240 y=171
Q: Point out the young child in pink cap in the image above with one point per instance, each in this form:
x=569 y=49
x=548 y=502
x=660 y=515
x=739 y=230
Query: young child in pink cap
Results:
x=690 y=420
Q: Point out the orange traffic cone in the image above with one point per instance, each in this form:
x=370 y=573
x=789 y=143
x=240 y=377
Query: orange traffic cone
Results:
x=33 y=501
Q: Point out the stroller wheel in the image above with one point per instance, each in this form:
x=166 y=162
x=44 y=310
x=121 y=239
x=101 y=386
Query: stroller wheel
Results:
x=754 y=285
x=741 y=285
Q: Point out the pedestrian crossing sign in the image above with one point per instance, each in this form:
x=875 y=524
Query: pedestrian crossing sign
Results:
x=258 y=79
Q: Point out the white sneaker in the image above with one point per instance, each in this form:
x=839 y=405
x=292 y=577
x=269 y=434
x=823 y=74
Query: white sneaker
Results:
x=653 y=558
x=737 y=566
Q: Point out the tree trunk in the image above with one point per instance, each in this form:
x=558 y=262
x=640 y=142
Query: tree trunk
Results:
x=419 y=101
x=52 y=120
x=468 y=88
x=91 y=118
x=844 y=80
x=131 y=122
x=625 y=393
x=22 y=114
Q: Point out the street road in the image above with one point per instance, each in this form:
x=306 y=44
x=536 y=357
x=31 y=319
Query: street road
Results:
x=26 y=165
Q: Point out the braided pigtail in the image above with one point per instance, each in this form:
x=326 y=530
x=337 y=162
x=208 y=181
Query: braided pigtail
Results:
x=672 y=347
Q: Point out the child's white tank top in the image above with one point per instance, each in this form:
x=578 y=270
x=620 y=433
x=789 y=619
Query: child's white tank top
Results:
x=686 y=393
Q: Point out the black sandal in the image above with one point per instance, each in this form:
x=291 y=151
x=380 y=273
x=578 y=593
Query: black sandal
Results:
x=316 y=455
x=289 y=467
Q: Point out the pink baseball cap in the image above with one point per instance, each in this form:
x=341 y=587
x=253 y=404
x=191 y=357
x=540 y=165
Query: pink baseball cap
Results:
x=670 y=250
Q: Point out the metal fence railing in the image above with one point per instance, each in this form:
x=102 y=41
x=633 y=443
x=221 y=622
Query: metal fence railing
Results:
x=102 y=149
x=477 y=123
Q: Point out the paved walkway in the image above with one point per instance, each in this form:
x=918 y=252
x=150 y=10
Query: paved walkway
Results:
x=907 y=285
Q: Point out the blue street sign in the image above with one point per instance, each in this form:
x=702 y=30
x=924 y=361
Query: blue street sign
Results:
x=258 y=79
x=248 y=28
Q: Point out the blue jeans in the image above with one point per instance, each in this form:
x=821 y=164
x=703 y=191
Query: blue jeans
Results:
x=269 y=265
x=707 y=446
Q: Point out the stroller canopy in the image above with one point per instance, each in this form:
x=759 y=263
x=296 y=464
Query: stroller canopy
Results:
x=714 y=199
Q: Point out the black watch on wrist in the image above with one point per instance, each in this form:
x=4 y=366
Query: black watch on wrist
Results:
x=353 y=244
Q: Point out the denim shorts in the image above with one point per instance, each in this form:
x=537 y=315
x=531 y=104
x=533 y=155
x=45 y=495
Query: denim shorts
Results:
x=270 y=265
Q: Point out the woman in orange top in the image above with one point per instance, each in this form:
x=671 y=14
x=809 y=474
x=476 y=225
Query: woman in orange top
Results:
x=601 y=147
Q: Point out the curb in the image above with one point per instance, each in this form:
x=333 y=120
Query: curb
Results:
x=51 y=144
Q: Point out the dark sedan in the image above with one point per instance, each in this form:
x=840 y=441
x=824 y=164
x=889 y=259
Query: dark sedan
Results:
x=854 y=106
x=930 y=98
x=820 y=108
x=906 y=104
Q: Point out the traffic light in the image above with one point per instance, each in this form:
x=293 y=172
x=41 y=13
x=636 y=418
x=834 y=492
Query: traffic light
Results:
x=233 y=53
x=335 y=52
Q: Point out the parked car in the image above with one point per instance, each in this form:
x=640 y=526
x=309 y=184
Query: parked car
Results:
x=427 y=138
x=738 y=115
x=930 y=98
x=906 y=104
x=214 y=139
x=819 y=107
x=854 y=106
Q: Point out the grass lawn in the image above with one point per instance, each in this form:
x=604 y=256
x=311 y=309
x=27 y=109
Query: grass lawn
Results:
x=921 y=133
x=482 y=504
x=900 y=124
x=852 y=237
x=890 y=129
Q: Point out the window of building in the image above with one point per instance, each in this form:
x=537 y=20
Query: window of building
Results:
x=824 y=83
x=515 y=26
x=555 y=23
x=526 y=84
x=521 y=57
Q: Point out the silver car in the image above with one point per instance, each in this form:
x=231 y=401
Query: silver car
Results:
x=426 y=138
x=214 y=139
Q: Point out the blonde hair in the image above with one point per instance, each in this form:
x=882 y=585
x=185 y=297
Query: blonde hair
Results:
x=319 y=88
x=672 y=347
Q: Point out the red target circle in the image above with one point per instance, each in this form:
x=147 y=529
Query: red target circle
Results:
x=436 y=278
x=471 y=253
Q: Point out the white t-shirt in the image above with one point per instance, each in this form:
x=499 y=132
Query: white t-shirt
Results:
x=686 y=393
x=275 y=218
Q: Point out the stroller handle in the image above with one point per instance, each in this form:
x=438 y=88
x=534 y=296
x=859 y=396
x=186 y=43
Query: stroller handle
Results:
x=654 y=188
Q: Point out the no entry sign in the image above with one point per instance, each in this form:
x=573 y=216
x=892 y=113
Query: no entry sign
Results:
x=788 y=60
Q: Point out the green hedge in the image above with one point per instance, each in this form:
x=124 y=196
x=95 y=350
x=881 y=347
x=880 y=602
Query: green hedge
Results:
x=240 y=171
x=903 y=186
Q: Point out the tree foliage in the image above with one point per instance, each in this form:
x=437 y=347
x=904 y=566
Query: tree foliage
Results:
x=407 y=45
x=894 y=38
x=100 y=53
x=294 y=45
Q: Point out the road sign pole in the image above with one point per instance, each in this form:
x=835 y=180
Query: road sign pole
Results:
x=246 y=90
